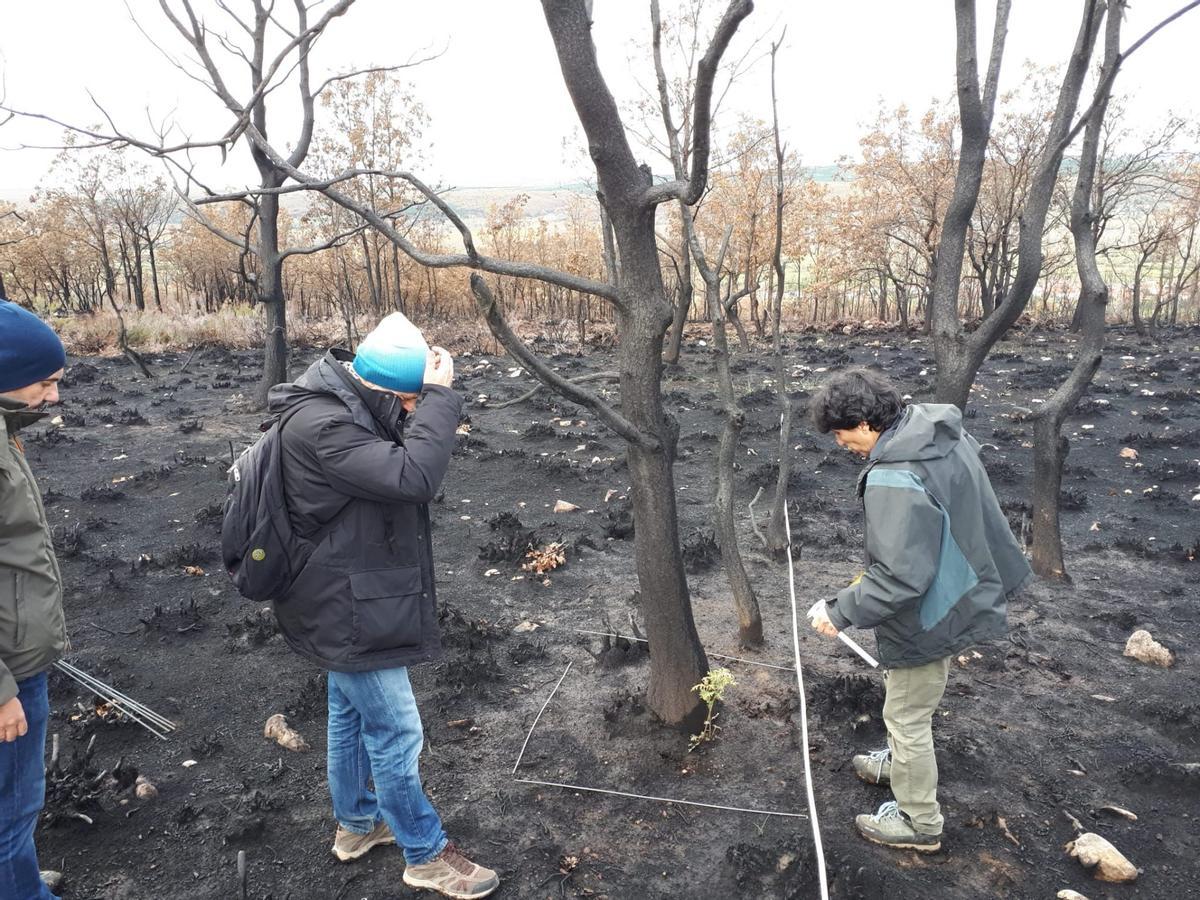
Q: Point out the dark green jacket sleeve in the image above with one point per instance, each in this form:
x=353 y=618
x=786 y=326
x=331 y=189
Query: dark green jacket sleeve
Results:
x=904 y=539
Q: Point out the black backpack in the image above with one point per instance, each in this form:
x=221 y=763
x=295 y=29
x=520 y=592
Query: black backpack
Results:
x=262 y=552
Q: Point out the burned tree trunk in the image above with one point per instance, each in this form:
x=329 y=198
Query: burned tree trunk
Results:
x=271 y=296
x=683 y=305
x=1050 y=446
x=777 y=537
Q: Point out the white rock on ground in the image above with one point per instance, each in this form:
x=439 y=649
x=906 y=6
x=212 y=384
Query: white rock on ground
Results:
x=145 y=789
x=283 y=734
x=52 y=879
x=1144 y=648
x=1068 y=894
x=1105 y=860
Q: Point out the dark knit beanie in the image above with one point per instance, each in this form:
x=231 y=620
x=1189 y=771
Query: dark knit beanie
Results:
x=30 y=351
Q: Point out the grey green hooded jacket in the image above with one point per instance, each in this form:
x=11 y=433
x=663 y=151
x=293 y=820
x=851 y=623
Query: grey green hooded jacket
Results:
x=941 y=558
x=33 y=632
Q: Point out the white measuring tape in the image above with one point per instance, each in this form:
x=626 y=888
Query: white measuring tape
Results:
x=812 y=802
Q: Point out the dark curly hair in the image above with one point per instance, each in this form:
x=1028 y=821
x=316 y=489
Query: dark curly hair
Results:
x=854 y=396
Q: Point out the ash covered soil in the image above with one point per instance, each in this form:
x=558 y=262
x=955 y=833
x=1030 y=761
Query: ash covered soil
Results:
x=1051 y=719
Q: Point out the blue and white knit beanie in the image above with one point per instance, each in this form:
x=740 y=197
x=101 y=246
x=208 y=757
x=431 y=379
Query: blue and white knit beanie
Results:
x=393 y=355
x=30 y=351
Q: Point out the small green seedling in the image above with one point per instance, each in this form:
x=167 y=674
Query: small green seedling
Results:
x=711 y=689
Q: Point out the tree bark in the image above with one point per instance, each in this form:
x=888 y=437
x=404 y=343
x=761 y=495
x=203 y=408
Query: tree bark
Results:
x=1136 y=300
x=683 y=304
x=1050 y=446
x=270 y=295
x=735 y=319
x=154 y=277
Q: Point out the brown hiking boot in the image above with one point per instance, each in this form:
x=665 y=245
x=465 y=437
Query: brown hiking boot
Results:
x=452 y=874
x=349 y=845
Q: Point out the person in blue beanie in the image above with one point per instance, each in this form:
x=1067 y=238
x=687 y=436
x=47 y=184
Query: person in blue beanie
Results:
x=33 y=631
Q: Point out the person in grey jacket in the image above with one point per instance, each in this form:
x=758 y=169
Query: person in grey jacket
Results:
x=33 y=632
x=941 y=564
x=357 y=481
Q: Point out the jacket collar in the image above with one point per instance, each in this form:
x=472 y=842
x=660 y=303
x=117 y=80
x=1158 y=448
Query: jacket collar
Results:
x=373 y=410
x=385 y=408
x=18 y=415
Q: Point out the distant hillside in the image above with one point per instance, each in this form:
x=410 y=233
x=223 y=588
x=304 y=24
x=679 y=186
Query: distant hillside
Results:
x=472 y=203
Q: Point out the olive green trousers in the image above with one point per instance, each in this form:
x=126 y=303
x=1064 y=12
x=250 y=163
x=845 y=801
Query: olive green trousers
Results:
x=911 y=696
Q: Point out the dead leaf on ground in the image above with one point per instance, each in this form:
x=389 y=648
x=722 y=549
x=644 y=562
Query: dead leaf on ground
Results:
x=1002 y=824
x=193 y=570
x=545 y=559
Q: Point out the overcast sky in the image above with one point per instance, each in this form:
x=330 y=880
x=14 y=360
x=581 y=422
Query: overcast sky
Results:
x=499 y=112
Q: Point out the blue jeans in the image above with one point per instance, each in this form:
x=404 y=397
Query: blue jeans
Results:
x=375 y=734
x=22 y=794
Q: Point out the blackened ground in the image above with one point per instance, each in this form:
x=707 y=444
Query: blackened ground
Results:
x=1053 y=719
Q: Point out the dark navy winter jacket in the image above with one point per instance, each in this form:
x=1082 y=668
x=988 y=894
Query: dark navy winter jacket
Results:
x=365 y=598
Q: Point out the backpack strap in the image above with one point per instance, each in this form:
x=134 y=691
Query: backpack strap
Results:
x=324 y=529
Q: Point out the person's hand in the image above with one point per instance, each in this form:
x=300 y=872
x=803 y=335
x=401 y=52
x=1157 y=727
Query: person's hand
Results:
x=439 y=368
x=12 y=720
x=819 y=616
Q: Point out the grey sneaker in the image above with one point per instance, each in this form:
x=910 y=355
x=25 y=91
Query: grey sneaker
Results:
x=891 y=828
x=453 y=875
x=348 y=845
x=874 y=767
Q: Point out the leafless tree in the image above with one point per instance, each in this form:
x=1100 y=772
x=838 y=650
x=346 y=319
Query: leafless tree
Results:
x=749 y=619
x=1050 y=446
x=959 y=354
x=777 y=536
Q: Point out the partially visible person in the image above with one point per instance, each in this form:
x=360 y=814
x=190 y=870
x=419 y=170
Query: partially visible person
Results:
x=941 y=564
x=33 y=631
x=357 y=484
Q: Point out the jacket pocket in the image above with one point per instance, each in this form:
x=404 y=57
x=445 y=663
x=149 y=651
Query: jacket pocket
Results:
x=387 y=608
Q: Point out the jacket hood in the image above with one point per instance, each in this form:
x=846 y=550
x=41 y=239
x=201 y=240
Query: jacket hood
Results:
x=925 y=431
x=370 y=409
